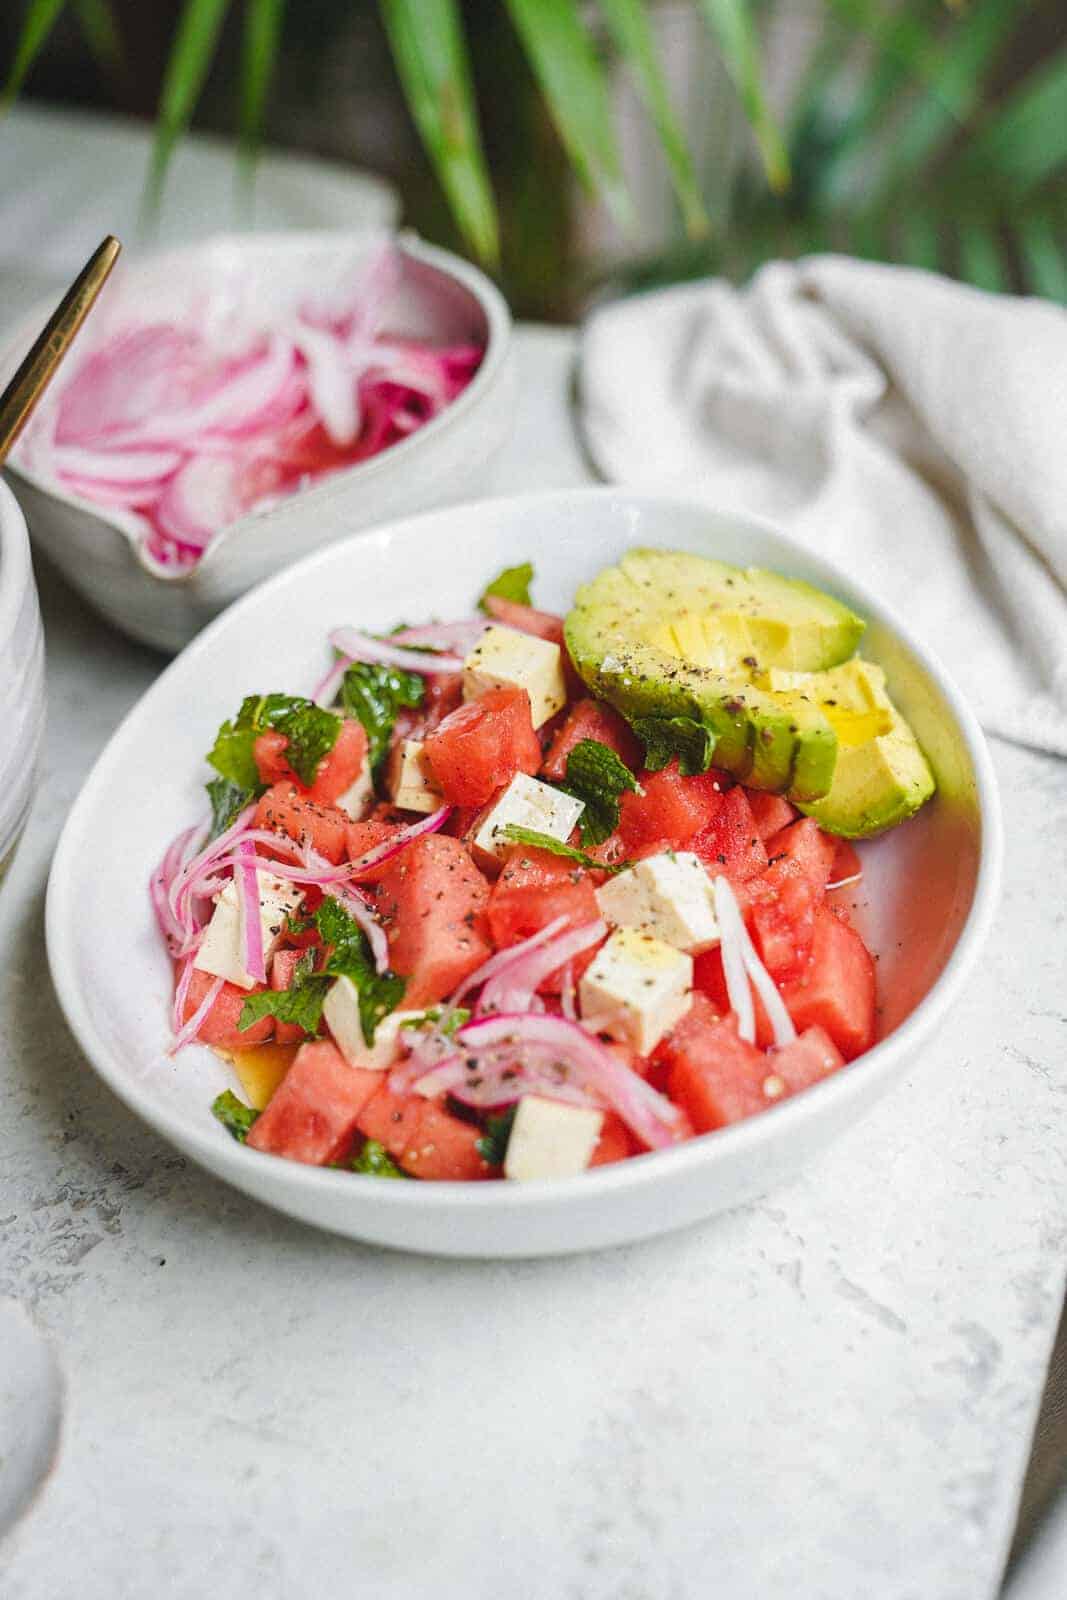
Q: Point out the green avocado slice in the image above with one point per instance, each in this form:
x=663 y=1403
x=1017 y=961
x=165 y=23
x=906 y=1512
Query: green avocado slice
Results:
x=881 y=777
x=666 y=634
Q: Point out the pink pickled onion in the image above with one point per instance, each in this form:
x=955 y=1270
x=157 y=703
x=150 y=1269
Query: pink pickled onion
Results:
x=650 y=1115
x=514 y=987
x=362 y=647
x=251 y=927
x=504 y=958
x=190 y=1030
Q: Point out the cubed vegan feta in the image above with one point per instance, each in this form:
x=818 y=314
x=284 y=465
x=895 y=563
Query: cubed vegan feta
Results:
x=221 y=951
x=637 y=988
x=505 y=657
x=341 y=1011
x=414 y=788
x=668 y=895
x=527 y=803
x=551 y=1140
x=359 y=796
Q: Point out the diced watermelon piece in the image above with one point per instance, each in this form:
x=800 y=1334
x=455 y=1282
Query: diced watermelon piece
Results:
x=284 y=810
x=783 y=918
x=337 y=771
x=370 y=832
x=846 y=863
x=715 y=1076
x=534 y=888
x=282 y=968
x=219 y=1028
x=443 y=1148
x=313 y=1113
x=671 y=808
x=771 y=812
x=480 y=747
x=588 y=719
x=392 y=1119
x=837 y=992
x=527 y=619
x=615 y=1142
x=811 y=1057
x=731 y=842
x=432 y=901
x=805 y=843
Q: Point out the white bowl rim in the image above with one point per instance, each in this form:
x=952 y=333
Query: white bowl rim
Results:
x=637 y=1172
x=16 y=572
x=497 y=348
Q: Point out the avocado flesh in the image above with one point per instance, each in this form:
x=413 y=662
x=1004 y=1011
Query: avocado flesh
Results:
x=665 y=634
x=881 y=777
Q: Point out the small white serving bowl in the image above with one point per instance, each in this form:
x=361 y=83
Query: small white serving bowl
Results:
x=931 y=884
x=439 y=297
x=21 y=676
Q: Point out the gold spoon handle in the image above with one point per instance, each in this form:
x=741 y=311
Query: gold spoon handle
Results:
x=36 y=372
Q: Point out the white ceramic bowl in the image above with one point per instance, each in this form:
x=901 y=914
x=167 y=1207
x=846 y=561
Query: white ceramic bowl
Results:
x=931 y=885
x=21 y=676
x=439 y=297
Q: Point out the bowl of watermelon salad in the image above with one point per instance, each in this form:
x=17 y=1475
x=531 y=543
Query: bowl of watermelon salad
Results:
x=450 y=917
x=254 y=396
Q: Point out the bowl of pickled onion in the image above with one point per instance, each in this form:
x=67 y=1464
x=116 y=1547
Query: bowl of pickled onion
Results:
x=234 y=405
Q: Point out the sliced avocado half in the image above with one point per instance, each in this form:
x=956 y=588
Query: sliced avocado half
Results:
x=881 y=777
x=666 y=634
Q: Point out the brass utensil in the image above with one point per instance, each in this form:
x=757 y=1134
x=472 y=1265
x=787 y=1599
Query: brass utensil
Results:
x=39 y=367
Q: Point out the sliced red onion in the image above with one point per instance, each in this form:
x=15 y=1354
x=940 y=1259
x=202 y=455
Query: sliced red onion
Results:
x=251 y=927
x=568 y=995
x=117 y=468
x=515 y=986
x=650 y=1115
x=236 y=400
x=334 y=392
x=458 y=636
x=122 y=496
x=325 y=691
x=190 y=1030
x=780 y=1020
x=504 y=958
x=200 y=499
x=733 y=963
x=398 y=841
x=363 y=648
x=173 y=929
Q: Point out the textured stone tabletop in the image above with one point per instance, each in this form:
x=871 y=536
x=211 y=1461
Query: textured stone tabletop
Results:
x=826 y=1394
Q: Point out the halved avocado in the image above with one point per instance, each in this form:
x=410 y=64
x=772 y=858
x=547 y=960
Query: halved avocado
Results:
x=665 y=635
x=881 y=777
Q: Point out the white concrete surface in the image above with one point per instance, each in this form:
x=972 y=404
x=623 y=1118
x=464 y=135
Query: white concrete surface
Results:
x=825 y=1395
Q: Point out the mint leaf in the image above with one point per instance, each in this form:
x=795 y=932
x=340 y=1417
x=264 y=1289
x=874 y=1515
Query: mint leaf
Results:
x=349 y=957
x=374 y=1161
x=235 y=1116
x=667 y=737
x=597 y=776
x=228 y=800
x=493 y=1144
x=311 y=732
x=374 y=694
x=545 y=841
x=511 y=584
x=300 y=1004
x=446 y=1019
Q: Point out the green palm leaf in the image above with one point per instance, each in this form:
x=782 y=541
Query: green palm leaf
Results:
x=99 y=27
x=1023 y=142
x=426 y=38
x=39 y=21
x=980 y=257
x=1044 y=258
x=632 y=30
x=575 y=87
x=259 y=53
x=731 y=21
x=187 y=68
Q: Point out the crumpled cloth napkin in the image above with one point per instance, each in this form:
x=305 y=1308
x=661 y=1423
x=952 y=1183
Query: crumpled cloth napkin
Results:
x=911 y=429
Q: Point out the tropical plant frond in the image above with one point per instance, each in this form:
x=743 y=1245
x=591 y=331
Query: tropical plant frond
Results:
x=187 y=68
x=41 y=17
x=430 y=52
x=260 y=44
x=733 y=25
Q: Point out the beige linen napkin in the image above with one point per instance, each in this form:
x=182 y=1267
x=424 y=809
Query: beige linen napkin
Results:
x=909 y=428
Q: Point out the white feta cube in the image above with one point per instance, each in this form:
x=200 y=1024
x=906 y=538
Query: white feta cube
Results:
x=637 y=988
x=221 y=951
x=341 y=1011
x=359 y=797
x=414 y=788
x=668 y=895
x=551 y=1140
x=504 y=657
x=526 y=803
